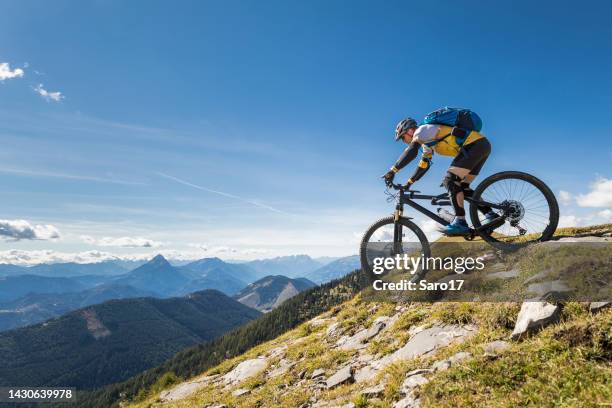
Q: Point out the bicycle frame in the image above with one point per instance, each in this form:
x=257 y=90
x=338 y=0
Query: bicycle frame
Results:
x=407 y=197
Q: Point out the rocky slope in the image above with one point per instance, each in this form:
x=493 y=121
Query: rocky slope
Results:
x=407 y=354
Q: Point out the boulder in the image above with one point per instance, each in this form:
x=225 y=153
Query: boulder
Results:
x=534 y=315
x=246 y=369
x=342 y=376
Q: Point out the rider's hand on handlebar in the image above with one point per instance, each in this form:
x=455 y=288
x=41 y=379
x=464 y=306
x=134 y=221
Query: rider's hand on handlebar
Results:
x=408 y=184
x=388 y=177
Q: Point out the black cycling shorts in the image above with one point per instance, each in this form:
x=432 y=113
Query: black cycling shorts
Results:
x=473 y=156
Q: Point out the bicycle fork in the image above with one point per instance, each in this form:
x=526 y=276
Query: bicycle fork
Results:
x=397 y=229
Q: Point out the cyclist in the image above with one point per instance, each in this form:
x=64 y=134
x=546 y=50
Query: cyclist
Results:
x=470 y=150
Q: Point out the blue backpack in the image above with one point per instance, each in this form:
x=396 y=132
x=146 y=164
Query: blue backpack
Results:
x=461 y=118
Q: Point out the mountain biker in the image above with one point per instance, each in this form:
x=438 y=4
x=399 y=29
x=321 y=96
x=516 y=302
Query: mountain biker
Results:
x=470 y=150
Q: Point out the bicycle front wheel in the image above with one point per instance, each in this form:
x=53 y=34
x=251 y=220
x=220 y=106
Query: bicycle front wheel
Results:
x=378 y=242
x=533 y=211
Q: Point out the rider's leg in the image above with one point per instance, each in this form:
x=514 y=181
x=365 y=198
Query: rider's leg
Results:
x=452 y=182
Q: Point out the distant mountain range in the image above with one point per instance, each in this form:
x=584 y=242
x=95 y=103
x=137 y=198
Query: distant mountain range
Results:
x=37 y=307
x=29 y=299
x=271 y=291
x=336 y=269
x=114 y=340
x=293 y=266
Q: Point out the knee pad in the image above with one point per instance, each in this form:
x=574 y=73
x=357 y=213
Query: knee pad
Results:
x=452 y=183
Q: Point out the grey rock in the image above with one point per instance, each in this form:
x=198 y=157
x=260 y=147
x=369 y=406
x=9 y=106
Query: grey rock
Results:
x=282 y=367
x=441 y=365
x=534 y=315
x=333 y=329
x=503 y=275
x=408 y=402
x=462 y=355
x=374 y=391
x=537 y=276
x=365 y=374
x=412 y=382
x=495 y=347
x=419 y=371
x=428 y=340
x=215 y=406
x=347 y=405
x=359 y=339
x=246 y=369
x=185 y=389
x=302 y=374
x=342 y=376
x=319 y=372
x=546 y=287
x=597 y=306
x=240 y=392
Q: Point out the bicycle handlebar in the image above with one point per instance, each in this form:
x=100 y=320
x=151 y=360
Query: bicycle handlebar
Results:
x=402 y=187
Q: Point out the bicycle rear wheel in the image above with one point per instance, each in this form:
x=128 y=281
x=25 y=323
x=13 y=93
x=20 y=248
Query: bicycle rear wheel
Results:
x=533 y=211
x=378 y=242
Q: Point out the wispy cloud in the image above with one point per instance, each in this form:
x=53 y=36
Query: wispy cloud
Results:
x=7 y=73
x=22 y=230
x=47 y=95
x=122 y=242
x=221 y=193
x=38 y=173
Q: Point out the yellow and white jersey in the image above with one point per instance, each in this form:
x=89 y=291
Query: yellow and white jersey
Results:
x=438 y=138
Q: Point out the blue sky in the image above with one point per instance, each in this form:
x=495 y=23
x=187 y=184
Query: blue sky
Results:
x=255 y=129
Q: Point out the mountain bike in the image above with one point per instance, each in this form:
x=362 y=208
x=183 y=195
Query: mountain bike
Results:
x=527 y=212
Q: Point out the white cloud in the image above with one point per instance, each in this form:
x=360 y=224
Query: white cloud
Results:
x=49 y=96
x=35 y=257
x=599 y=196
x=569 y=221
x=219 y=250
x=431 y=229
x=565 y=197
x=22 y=229
x=6 y=73
x=605 y=214
x=123 y=242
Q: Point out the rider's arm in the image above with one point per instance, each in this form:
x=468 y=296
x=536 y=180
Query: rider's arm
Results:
x=420 y=171
x=407 y=156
